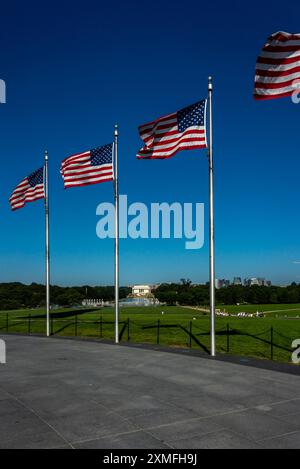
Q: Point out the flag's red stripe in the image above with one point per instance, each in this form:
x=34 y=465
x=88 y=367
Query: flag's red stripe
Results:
x=28 y=191
x=277 y=73
x=27 y=198
x=159 y=137
x=88 y=183
x=159 y=142
x=279 y=61
x=16 y=206
x=178 y=142
x=22 y=184
x=160 y=120
x=289 y=48
x=153 y=157
x=170 y=133
x=86 y=169
x=260 y=97
x=273 y=86
x=91 y=176
x=80 y=161
x=160 y=127
x=75 y=156
x=283 y=36
x=176 y=147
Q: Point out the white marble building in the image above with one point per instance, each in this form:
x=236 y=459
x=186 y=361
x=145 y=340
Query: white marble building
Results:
x=141 y=290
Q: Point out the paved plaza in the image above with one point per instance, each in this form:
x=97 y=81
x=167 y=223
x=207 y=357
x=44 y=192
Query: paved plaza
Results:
x=62 y=393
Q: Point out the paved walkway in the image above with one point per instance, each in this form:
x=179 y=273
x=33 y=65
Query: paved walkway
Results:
x=60 y=393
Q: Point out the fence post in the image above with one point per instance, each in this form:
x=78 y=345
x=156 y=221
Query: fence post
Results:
x=76 y=321
x=271 y=342
x=158 y=324
x=6 y=322
x=190 y=334
x=101 y=327
x=29 y=319
x=227 y=338
x=128 y=336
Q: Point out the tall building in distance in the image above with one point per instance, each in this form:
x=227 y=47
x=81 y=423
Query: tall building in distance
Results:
x=248 y=282
x=237 y=281
x=262 y=282
x=221 y=283
x=141 y=291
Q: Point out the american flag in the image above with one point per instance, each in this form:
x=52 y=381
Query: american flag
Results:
x=31 y=188
x=182 y=130
x=90 y=167
x=278 y=66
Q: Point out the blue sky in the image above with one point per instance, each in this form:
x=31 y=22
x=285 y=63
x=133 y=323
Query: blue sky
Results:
x=74 y=68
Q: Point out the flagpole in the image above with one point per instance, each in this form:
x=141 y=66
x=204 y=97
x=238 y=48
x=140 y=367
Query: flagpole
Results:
x=116 y=235
x=211 y=229
x=47 y=248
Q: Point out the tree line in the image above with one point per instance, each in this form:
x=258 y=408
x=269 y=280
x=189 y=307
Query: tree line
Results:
x=16 y=295
x=185 y=293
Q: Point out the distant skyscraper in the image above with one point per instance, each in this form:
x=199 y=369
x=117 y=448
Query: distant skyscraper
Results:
x=260 y=281
x=237 y=281
x=221 y=283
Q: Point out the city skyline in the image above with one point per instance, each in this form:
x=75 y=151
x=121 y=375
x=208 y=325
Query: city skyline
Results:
x=248 y=281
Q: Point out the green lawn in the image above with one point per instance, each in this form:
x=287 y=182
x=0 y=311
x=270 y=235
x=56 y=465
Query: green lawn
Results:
x=243 y=336
x=273 y=310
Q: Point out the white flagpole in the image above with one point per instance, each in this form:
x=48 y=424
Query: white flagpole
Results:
x=47 y=247
x=211 y=229
x=116 y=235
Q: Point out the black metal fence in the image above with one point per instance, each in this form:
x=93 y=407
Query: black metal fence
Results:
x=267 y=343
x=195 y=334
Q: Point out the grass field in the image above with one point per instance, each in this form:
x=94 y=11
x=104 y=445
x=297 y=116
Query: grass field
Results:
x=178 y=327
x=274 y=310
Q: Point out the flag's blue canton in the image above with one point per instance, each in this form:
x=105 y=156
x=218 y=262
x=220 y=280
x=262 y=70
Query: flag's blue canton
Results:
x=102 y=155
x=191 y=115
x=37 y=177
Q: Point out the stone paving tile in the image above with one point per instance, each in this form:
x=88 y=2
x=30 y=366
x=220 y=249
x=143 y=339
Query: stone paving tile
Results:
x=223 y=439
x=288 y=441
x=255 y=424
x=183 y=430
x=91 y=424
x=136 y=440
